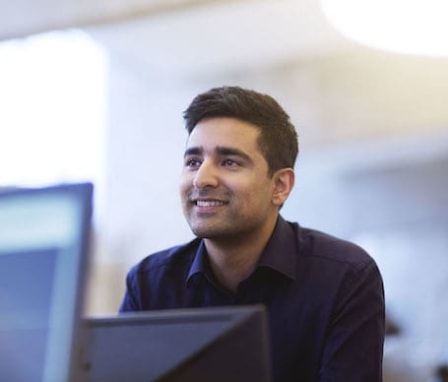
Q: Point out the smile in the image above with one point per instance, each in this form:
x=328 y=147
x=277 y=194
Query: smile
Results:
x=209 y=203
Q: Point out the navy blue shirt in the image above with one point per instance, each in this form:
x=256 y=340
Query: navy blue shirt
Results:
x=324 y=297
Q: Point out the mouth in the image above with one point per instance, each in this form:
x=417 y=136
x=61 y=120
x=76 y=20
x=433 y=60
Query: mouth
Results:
x=204 y=203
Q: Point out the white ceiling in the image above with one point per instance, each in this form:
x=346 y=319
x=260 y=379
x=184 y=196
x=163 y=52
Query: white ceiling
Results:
x=23 y=17
x=225 y=35
x=185 y=35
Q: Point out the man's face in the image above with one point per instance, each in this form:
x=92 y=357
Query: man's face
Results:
x=225 y=188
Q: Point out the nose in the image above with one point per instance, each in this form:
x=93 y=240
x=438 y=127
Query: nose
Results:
x=206 y=175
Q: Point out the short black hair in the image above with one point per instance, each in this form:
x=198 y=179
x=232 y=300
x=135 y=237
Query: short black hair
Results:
x=278 y=140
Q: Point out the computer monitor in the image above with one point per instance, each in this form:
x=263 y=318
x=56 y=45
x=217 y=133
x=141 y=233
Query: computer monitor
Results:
x=201 y=345
x=44 y=242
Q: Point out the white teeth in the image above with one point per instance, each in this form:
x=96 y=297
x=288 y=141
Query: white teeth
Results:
x=208 y=203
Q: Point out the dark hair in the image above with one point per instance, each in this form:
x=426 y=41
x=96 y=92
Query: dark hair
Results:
x=278 y=140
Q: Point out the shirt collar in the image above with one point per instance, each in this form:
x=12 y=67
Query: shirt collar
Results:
x=279 y=253
x=199 y=261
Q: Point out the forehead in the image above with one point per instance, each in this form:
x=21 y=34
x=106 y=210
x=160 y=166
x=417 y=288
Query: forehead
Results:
x=230 y=132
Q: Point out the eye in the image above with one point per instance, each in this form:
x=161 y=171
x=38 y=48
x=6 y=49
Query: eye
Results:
x=228 y=162
x=192 y=162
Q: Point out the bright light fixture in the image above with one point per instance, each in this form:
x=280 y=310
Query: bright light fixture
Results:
x=53 y=111
x=53 y=92
x=407 y=26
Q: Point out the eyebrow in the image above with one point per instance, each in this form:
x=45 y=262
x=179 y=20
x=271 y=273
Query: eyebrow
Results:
x=220 y=150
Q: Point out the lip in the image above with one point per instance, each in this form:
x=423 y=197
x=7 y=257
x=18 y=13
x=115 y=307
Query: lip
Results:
x=208 y=203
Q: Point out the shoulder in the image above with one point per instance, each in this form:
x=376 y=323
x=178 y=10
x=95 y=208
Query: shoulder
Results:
x=323 y=247
x=340 y=266
x=176 y=257
x=157 y=281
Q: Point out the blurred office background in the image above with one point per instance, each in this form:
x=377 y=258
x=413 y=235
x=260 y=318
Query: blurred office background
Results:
x=95 y=91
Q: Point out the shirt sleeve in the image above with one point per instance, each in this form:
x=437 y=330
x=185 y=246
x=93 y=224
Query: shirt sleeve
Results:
x=130 y=302
x=354 y=343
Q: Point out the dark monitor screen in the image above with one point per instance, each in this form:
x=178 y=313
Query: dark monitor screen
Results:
x=203 y=344
x=44 y=238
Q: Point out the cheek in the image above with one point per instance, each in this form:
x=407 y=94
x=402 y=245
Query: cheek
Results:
x=261 y=192
x=185 y=182
x=255 y=191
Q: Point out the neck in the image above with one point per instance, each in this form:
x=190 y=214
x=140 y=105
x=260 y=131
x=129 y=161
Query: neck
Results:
x=233 y=260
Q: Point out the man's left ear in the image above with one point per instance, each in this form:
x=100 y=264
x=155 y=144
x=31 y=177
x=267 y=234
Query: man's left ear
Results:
x=283 y=184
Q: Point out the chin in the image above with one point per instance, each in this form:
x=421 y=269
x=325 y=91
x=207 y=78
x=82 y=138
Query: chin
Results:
x=210 y=231
x=202 y=234
x=205 y=232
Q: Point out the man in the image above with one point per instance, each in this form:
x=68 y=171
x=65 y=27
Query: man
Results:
x=324 y=295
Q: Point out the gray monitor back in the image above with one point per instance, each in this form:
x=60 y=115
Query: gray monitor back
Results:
x=202 y=344
x=44 y=240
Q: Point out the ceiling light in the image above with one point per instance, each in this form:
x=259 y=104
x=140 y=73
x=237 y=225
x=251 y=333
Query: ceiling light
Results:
x=407 y=26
